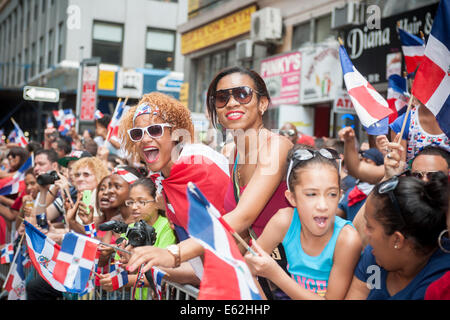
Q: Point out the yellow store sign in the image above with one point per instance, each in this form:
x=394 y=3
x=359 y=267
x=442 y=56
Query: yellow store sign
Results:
x=217 y=31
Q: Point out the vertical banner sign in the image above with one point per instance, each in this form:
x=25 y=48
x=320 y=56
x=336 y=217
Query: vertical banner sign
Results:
x=282 y=76
x=89 y=90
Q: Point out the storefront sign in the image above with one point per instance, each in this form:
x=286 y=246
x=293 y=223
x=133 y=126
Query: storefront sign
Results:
x=321 y=73
x=343 y=103
x=372 y=51
x=106 y=80
x=217 y=31
x=282 y=76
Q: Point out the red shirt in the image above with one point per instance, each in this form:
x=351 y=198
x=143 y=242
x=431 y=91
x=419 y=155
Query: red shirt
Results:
x=439 y=289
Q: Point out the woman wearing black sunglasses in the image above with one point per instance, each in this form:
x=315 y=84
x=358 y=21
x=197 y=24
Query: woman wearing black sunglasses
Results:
x=404 y=217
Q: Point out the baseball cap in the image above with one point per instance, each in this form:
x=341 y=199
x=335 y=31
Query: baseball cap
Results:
x=74 y=155
x=373 y=154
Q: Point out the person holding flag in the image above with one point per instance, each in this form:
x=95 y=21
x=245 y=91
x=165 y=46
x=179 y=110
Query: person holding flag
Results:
x=428 y=123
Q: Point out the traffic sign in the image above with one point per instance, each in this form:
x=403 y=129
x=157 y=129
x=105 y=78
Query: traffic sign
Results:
x=41 y=94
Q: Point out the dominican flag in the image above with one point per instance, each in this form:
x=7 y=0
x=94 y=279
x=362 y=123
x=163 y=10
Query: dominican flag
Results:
x=204 y=166
x=432 y=82
x=7 y=253
x=157 y=276
x=43 y=252
x=119 y=276
x=98 y=114
x=15 y=282
x=397 y=96
x=75 y=261
x=226 y=275
x=19 y=136
x=16 y=183
x=413 y=49
x=50 y=123
x=113 y=127
x=372 y=109
x=65 y=120
x=125 y=174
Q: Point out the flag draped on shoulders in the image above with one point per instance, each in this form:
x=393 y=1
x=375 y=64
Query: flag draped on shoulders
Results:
x=226 y=275
x=372 y=109
x=432 y=81
x=202 y=165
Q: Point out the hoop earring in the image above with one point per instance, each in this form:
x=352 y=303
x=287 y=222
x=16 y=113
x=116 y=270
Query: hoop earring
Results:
x=440 y=241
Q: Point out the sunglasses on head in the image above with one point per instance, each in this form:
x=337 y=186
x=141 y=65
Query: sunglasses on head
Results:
x=243 y=95
x=290 y=132
x=307 y=154
x=388 y=187
x=154 y=131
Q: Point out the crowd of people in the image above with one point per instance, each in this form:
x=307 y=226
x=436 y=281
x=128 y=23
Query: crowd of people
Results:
x=328 y=218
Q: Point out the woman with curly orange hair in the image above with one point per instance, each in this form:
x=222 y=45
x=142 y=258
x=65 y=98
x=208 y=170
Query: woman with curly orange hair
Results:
x=159 y=131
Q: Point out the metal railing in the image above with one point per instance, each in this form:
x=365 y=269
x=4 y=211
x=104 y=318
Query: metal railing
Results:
x=170 y=290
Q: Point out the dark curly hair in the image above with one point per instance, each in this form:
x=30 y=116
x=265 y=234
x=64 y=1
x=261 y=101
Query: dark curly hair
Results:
x=423 y=207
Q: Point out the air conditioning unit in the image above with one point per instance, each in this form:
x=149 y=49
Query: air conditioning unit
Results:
x=351 y=13
x=267 y=25
x=244 y=49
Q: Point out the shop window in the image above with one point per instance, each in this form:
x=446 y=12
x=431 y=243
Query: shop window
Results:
x=301 y=35
x=160 y=49
x=107 y=42
x=323 y=29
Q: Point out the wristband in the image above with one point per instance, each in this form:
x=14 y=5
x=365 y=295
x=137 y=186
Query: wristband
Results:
x=90 y=229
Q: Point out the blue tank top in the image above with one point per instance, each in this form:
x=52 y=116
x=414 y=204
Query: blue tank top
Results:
x=310 y=272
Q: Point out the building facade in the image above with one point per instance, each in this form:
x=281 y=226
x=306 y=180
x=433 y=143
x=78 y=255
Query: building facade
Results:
x=293 y=45
x=43 y=41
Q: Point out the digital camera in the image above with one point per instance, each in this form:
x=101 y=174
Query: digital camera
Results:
x=141 y=234
x=47 y=178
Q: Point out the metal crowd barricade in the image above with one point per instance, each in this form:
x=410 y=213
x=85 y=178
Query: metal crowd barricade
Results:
x=171 y=290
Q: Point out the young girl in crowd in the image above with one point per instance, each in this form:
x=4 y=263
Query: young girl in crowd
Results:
x=404 y=217
x=321 y=248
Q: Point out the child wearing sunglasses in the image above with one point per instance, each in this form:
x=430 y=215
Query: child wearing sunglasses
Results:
x=321 y=248
x=404 y=219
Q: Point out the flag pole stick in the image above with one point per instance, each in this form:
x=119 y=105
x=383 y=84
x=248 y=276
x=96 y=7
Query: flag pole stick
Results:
x=340 y=41
x=406 y=118
x=14 y=260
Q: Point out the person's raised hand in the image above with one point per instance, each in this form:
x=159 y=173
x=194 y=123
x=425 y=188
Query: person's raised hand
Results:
x=347 y=134
x=381 y=143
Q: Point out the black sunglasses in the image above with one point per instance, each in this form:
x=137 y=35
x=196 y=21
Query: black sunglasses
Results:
x=155 y=131
x=388 y=187
x=243 y=95
x=307 y=154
